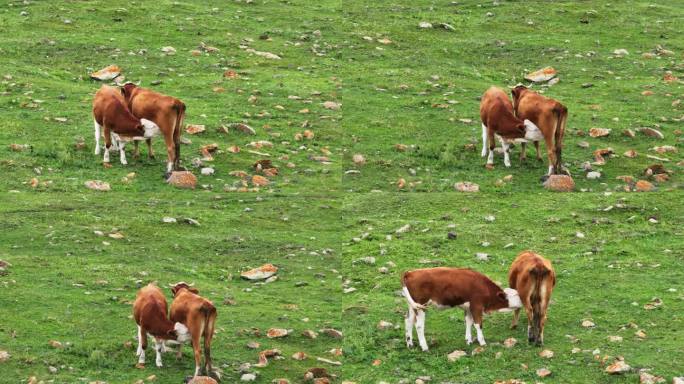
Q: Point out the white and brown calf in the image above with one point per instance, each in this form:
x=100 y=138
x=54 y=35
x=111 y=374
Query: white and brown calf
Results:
x=444 y=287
x=111 y=112
x=150 y=313
x=499 y=121
x=549 y=116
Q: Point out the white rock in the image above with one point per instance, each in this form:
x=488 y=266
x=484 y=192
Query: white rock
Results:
x=248 y=377
x=593 y=175
x=620 y=52
x=455 y=355
x=207 y=171
x=482 y=256
x=169 y=220
x=425 y=25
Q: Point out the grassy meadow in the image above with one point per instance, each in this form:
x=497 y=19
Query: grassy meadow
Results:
x=351 y=80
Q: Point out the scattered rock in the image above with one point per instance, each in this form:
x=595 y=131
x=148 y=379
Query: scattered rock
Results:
x=106 y=73
x=19 y=147
x=630 y=153
x=248 y=377
x=599 y=132
x=620 y=52
x=182 y=179
x=618 y=367
x=647 y=378
x=466 y=186
x=334 y=333
x=541 y=75
x=299 y=356
x=194 y=129
x=55 y=344
x=332 y=105
x=593 y=175
x=546 y=354
x=206 y=171
x=260 y=181
x=455 y=355
x=615 y=339
x=543 y=372
x=628 y=133
x=168 y=50
x=98 y=185
x=359 y=159
x=4 y=356
x=201 y=380
x=588 y=324
x=510 y=342
x=383 y=325
x=559 y=183
x=268 y=55
x=261 y=273
x=481 y=256
x=275 y=333
x=651 y=132
x=644 y=186
x=264 y=355
x=403 y=229
x=424 y=25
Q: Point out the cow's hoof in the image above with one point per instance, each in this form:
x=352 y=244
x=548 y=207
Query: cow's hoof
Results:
x=140 y=366
x=514 y=326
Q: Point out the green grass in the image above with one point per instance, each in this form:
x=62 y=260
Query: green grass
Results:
x=391 y=90
x=66 y=284
x=622 y=263
x=70 y=285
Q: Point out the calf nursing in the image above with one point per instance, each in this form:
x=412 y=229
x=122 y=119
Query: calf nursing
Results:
x=443 y=287
x=534 y=278
x=498 y=120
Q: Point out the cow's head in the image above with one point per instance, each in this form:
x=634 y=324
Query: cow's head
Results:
x=510 y=299
x=517 y=92
x=127 y=90
x=177 y=287
x=150 y=128
x=532 y=132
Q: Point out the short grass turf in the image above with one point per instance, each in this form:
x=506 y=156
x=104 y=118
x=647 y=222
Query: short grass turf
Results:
x=48 y=53
x=68 y=284
x=421 y=87
x=622 y=262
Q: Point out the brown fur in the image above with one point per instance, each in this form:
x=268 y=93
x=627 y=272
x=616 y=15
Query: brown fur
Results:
x=199 y=315
x=496 y=113
x=165 y=111
x=528 y=274
x=547 y=114
x=111 y=112
x=150 y=313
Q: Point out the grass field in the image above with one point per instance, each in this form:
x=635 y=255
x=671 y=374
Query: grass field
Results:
x=416 y=89
x=361 y=77
x=621 y=263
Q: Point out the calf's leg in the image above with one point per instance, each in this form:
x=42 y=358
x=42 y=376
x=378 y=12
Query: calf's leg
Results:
x=469 y=327
x=516 y=316
x=523 y=151
x=158 y=347
x=196 y=350
x=484 y=140
x=409 y=323
x=97 y=137
x=150 y=153
x=142 y=345
x=477 y=314
x=420 y=329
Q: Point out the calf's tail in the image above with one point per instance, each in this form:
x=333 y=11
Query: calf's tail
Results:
x=415 y=306
x=561 y=113
x=179 y=107
x=538 y=275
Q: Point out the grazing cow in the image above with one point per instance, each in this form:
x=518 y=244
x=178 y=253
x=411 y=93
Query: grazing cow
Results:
x=472 y=291
x=150 y=313
x=549 y=116
x=110 y=111
x=498 y=120
x=199 y=315
x=533 y=277
x=166 y=111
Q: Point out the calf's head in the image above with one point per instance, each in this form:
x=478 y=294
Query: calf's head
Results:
x=512 y=299
x=532 y=132
x=151 y=129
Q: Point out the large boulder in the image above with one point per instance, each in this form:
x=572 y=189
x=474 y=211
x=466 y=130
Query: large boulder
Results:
x=560 y=183
x=182 y=179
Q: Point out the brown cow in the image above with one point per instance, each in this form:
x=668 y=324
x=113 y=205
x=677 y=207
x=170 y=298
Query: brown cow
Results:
x=166 y=111
x=110 y=111
x=199 y=315
x=150 y=313
x=549 y=116
x=534 y=278
x=498 y=120
x=472 y=291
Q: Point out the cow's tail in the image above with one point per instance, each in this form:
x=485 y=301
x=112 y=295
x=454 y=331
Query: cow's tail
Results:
x=561 y=113
x=209 y=312
x=179 y=107
x=538 y=276
x=414 y=306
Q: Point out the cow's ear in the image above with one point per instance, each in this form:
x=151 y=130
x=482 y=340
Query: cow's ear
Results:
x=173 y=291
x=172 y=334
x=502 y=295
x=123 y=91
x=193 y=290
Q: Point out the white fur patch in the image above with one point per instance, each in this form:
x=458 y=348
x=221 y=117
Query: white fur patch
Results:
x=532 y=132
x=151 y=129
x=182 y=332
x=513 y=298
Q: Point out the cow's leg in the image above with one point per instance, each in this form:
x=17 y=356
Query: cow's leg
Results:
x=171 y=152
x=468 y=327
x=122 y=152
x=136 y=150
x=484 y=140
x=196 y=350
x=150 y=153
x=208 y=336
x=529 y=324
x=536 y=147
x=409 y=323
x=492 y=144
x=477 y=313
x=420 y=329
x=516 y=316
x=158 y=346
x=97 y=137
x=142 y=345
x=108 y=143
x=523 y=151
x=179 y=352
x=550 y=153
x=507 y=148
